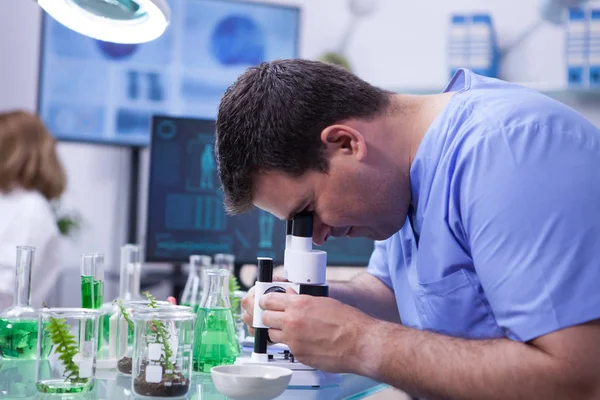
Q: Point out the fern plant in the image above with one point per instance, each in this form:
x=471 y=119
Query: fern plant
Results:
x=125 y=314
x=66 y=347
x=163 y=336
x=234 y=286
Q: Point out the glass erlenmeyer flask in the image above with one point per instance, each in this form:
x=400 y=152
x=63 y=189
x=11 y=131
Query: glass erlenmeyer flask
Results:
x=225 y=261
x=215 y=338
x=193 y=290
x=19 y=323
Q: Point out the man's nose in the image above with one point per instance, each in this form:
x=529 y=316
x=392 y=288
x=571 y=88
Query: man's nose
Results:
x=320 y=231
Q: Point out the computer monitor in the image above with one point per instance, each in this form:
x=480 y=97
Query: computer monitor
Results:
x=94 y=91
x=185 y=213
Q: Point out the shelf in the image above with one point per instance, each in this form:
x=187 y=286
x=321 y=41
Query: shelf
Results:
x=549 y=89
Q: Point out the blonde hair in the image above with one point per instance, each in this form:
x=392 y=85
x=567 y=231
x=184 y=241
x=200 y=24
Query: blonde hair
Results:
x=28 y=156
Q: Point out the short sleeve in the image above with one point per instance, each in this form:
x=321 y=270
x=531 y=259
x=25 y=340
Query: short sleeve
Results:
x=529 y=201
x=379 y=263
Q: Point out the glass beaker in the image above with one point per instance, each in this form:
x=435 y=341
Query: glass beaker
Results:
x=17 y=378
x=162 y=358
x=125 y=325
x=73 y=350
x=215 y=338
x=19 y=323
x=193 y=290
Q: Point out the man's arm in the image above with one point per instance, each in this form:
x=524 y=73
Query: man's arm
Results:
x=331 y=336
x=368 y=294
x=560 y=365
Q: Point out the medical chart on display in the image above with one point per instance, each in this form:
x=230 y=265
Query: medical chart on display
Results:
x=185 y=211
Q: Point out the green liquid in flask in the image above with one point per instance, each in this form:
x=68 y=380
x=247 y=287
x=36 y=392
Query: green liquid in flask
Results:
x=63 y=387
x=18 y=340
x=194 y=307
x=215 y=341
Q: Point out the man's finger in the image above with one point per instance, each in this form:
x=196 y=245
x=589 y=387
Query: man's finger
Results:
x=248 y=303
x=279 y=279
x=290 y=291
x=276 y=336
x=273 y=319
x=248 y=319
x=274 y=301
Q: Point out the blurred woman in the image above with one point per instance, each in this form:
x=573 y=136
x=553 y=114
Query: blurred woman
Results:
x=30 y=177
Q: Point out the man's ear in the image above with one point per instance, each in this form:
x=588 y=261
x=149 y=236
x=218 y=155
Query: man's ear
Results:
x=345 y=139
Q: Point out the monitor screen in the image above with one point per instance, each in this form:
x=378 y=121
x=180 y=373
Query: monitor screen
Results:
x=185 y=205
x=95 y=91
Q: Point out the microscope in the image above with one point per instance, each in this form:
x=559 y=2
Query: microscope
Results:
x=304 y=268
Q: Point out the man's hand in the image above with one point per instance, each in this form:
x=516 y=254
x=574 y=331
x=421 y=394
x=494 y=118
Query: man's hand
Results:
x=248 y=305
x=320 y=331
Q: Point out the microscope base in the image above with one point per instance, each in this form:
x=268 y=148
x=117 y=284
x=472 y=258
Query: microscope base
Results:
x=302 y=375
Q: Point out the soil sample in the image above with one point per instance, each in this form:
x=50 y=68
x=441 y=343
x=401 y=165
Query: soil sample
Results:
x=171 y=385
x=124 y=365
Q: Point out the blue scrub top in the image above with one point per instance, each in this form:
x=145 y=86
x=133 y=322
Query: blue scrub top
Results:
x=506 y=196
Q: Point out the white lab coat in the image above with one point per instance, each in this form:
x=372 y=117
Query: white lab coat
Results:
x=26 y=218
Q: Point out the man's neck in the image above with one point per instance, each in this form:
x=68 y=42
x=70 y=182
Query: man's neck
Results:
x=413 y=117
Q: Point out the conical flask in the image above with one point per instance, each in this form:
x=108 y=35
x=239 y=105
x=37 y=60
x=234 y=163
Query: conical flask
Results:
x=193 y=290
x=215 y=338
x=225 y=261
x=19 y=322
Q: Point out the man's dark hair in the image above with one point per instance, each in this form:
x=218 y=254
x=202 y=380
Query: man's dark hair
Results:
x=271 y=119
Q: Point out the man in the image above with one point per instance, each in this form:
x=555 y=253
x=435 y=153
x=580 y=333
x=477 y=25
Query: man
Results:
x=484 y=201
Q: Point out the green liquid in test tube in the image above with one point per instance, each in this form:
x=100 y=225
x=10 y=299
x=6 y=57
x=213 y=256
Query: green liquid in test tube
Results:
x=92 y=286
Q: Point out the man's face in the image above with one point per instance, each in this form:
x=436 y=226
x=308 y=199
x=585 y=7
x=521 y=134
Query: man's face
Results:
x=350 y=200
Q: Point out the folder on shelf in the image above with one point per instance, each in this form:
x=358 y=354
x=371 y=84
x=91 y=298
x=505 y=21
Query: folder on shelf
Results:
x=576 y=48
x=594 y=47
x=473 y=44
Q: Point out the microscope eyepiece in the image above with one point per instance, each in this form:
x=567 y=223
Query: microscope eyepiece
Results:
x=303 y=224
x=265 y=269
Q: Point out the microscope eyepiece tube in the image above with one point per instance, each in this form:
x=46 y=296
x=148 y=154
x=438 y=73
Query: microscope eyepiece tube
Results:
x=265 y=269
x=303 y=225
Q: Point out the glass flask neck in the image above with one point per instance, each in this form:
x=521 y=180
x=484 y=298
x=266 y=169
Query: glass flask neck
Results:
x=225 y=261
x=25 y=257
x=217 y=289
x=131 y=267
x=198 y=264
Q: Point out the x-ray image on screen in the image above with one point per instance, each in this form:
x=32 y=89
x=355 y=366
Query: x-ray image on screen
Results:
x=104 y=92
x=185 y=205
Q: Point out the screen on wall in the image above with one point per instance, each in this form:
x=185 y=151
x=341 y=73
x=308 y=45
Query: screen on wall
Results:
x=185 y=213
x=95 y=91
